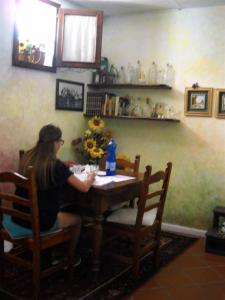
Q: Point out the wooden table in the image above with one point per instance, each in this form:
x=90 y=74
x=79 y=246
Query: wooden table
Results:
x=99 y=199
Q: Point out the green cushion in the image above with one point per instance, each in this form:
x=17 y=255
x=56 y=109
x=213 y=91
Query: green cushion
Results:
x=17 y=232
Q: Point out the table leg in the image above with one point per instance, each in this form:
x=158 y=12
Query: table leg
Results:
x=97 y=242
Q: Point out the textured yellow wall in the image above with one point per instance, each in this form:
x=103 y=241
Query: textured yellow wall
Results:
x=27 y=100
x=193 y=41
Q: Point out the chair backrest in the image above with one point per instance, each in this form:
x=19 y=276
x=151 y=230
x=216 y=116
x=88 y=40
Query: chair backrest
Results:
x=158 y=196
x=122 y=164
x=29 y=203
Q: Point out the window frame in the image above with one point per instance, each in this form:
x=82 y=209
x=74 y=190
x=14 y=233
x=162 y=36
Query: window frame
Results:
x=18 y=63
x=58 y=47
x=59 y=52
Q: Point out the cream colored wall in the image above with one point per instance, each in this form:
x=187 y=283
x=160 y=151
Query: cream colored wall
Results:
x=193 y=40
x=27 y=100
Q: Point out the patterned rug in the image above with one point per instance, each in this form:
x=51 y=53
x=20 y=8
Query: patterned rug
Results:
x=114 y=282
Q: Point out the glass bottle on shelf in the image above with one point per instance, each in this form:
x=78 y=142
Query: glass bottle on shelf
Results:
x=122 y=76
x=131 y=108
x=172 y=76
x=152 y=76
x=154 y=114
x=138 y=111
x=147 y=108
x=113 y=74
x=140 y=75
x=160 y=76
x=160 y=110
x=169 y=111
x=130 y=73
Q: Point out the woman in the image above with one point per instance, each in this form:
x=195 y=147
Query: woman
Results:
x=52 y=180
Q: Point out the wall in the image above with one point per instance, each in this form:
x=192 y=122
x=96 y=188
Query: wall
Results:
x=28 y=99
x=193 y=41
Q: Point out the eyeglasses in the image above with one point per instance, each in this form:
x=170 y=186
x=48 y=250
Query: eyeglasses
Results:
x=61 y=141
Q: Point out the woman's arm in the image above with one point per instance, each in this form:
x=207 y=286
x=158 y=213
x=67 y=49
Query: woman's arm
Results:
x=82 y=186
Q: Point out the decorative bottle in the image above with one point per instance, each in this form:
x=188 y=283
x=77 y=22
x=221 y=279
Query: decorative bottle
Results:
x=153 y=74
x=113 y=73
x=147 y=108
x=122 y=75
x=111 y=158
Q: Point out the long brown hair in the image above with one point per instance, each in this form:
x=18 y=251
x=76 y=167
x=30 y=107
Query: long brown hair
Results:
x=42 y=156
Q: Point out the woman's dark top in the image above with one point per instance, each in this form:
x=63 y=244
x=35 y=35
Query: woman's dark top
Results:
x=49 y=200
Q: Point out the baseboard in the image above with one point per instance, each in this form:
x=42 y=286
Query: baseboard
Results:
x=188 y=231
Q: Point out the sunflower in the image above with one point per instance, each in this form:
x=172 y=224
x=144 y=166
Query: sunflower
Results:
x=87 y=133
x=96 y=123
x=96 y=152
x=107 y=135
x=89 y=144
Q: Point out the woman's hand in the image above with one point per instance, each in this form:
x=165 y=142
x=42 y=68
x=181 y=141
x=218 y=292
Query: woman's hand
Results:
x=82 y=186
x=91 y=177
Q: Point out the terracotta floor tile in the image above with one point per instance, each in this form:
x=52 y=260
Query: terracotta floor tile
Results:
x=188 y=293
x=215 y=290
x=150 y=294
x=198 y=247
x=171 y=277
x=186 y=261
x=194 y=275
x=204 y=275
x=214 y=260
x=220 y=270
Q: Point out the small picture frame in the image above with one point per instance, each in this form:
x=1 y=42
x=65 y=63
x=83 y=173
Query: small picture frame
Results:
x=220 y=103
x=198 y=102
x=69 y=95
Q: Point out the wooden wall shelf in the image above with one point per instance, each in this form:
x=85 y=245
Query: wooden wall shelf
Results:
x=136 y=118
x=130 y=86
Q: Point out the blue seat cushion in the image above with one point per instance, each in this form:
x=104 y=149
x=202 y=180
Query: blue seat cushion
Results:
x=17 y=232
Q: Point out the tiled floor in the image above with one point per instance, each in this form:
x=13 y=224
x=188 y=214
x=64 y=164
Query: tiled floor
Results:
x=194 y=275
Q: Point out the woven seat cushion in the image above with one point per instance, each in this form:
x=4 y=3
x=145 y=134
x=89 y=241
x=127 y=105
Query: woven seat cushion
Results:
x=128 y=216
x=17 y=232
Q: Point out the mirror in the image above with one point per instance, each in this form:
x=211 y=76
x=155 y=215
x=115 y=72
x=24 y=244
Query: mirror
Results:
x=34 y=34
x=79 y=38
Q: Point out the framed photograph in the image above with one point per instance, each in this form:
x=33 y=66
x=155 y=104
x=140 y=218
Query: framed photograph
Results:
x=69 y=95
x=220 y=103
x=198 y=102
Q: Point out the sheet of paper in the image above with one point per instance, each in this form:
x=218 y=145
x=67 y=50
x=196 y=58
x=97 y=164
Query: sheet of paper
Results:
x=102 y=180
x=118 y=178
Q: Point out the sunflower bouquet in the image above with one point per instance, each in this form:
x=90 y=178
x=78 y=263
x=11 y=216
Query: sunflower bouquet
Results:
x=92 y=145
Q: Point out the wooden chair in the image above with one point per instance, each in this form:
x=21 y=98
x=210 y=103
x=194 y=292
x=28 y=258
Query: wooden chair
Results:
x=131 y=168
x=141 y=225
x=33 y=242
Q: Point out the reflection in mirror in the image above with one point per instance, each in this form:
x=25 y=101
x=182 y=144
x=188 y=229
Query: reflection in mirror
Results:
x=79 y=38
x=34 y=36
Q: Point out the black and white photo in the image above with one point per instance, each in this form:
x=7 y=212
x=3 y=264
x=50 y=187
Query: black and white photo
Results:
x=69 y=95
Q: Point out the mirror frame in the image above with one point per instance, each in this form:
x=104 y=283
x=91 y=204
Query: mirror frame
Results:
x=18 y=63
x=59 y=52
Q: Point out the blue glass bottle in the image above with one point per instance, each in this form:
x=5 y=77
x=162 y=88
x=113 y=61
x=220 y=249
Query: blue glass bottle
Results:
x=111 y=158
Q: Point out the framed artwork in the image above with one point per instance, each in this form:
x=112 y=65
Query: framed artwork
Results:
x=69 y=95
x=220 y=103
x=198 y=102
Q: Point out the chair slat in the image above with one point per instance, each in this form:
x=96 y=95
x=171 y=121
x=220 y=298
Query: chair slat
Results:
x=151 y=206
x=157 y=177
x=15 y=213
x=15 y=199
x=15 y=178
x=153 y=195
